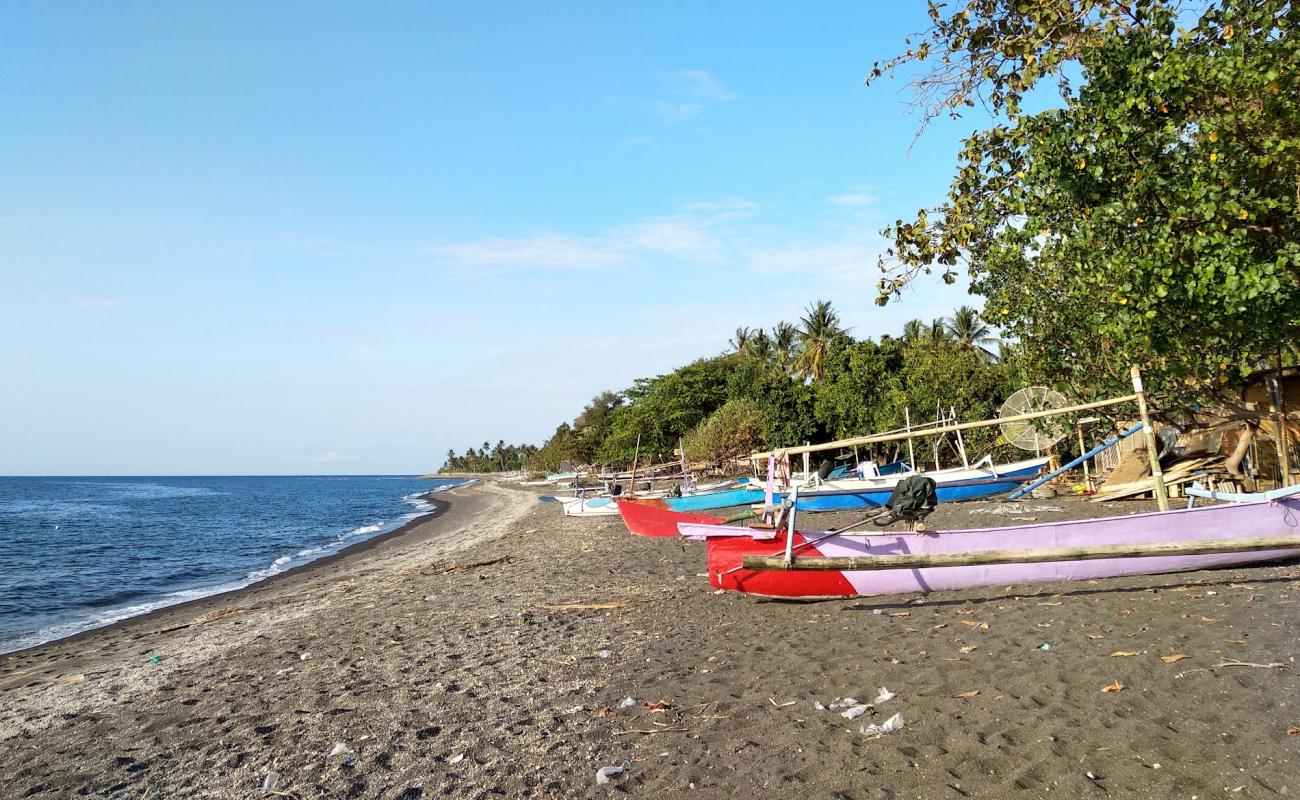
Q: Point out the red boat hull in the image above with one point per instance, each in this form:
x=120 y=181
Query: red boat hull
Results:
x=654 y=518
x=726 y=553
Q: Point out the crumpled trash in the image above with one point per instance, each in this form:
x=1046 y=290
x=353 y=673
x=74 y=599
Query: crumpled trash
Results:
x=339 y=749
x=603 y=653
x=456 y=759
x=883 y=697
x=856 y=711
x=271 y=780
x=1044 y=646
x=817 y=706
x=304 y=656
x=605 y=774
x=841 y=703
x=890 y=725
x=155 y=660
x=626 y=702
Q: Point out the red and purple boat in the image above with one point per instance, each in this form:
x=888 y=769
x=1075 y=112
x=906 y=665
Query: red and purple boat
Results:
x=1264 y=528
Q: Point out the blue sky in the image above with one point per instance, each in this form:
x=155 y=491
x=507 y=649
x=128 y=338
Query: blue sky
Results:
x=300 y=238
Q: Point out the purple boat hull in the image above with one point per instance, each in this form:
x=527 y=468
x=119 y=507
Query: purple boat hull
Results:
x=1276 y=518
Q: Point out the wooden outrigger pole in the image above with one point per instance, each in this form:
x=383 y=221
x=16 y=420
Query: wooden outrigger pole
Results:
x=961 y=426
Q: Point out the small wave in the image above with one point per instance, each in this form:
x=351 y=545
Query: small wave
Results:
x=364 y=529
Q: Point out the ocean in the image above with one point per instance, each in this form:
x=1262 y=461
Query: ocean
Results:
x=80 y=553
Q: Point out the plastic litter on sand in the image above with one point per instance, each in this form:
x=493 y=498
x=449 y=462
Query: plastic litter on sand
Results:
x=890 y=725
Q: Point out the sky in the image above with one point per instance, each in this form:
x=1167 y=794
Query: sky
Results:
x=300 y=238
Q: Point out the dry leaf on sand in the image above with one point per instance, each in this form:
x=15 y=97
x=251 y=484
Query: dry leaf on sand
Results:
x=1173 y=658
x=1124 y=653
x=1117 y=686
x=971 y=693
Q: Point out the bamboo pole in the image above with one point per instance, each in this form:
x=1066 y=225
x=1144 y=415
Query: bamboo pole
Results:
x=921 y=560
x=1162 y=494
x=635 y=457
x=1282 y=436
x=1087 y=476
x=907 y=420
x=964 y=426
x=961 y=445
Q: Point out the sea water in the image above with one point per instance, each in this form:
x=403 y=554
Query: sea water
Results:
x=79 y=553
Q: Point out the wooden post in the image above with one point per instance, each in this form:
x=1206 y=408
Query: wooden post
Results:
x=1280 y=435
x=635 y=457
x=922 y=560
x=1162 y=495
x=1087 y=476
x=961 y=444
x=911 y=455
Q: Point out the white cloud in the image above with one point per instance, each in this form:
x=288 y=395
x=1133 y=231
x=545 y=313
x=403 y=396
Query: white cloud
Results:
x=856 y=197
x=681 y=237
x=702 y=84
x=635 y=141
x=551 y=251
x=692 y=92
x=698 y=233
x=676 y=113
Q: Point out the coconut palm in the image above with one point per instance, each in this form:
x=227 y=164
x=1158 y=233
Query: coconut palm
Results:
x=913 y=331
x=818 y=329
x=785 y=340
x=971 y=333
x=759 y=348
x=742 y=337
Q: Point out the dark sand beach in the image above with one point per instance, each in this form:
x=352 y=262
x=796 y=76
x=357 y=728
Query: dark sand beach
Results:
x=484 y=653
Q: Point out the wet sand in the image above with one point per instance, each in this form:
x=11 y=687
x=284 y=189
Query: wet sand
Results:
x=446 y=672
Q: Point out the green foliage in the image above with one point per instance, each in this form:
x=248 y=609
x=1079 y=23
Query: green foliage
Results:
x=733 y=431
x=1152 y=219
x=659 y=410
x=785 y=402
x=845 y=400
x=935 y=379
x=501 y=458
x=762 y=394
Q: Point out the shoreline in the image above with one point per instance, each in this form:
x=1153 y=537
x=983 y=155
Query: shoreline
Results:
x=489 y=652
x=440 y=506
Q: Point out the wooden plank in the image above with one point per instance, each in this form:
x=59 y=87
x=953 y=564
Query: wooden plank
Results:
x=918 y=560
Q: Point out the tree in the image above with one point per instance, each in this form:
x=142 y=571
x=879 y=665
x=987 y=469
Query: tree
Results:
x=1152 y=218
x=970 y=333
x=741 y=339
x=733 y=431
x=817 y=331
x=785 y=341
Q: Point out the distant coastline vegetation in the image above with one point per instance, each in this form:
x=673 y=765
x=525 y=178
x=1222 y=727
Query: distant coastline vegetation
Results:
x=779 y=387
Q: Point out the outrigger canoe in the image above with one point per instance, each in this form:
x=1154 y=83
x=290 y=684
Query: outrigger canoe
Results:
x=1170 y=541
x=654 y=518
x=951 y=485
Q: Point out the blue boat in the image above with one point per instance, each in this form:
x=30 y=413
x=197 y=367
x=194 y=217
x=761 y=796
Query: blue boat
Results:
x=725 y=498
x=951 y=485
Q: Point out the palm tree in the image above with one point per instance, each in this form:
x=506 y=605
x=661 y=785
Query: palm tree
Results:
x=970 y=333
x=913 y=331
x=937 y=333
x=759 y=348
x=742 y=337
x=819 y=328
x=785 y=339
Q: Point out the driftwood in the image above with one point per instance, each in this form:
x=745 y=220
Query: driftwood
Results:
x=442 y=569
x=915 y=560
